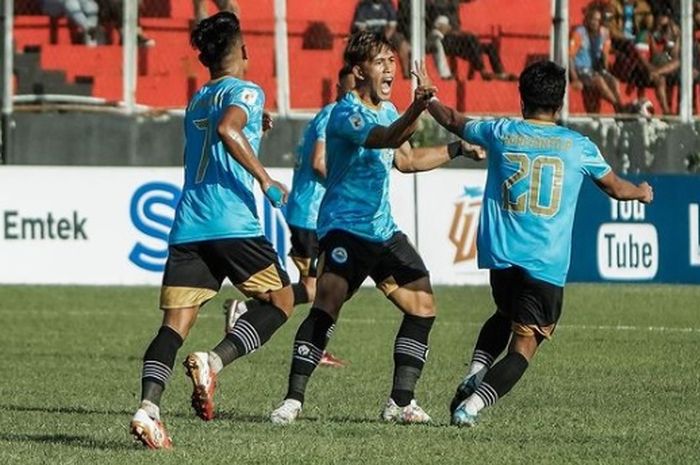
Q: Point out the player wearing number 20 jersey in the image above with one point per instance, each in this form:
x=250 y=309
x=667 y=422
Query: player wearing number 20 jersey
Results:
x=535 y=171
x=534 y=176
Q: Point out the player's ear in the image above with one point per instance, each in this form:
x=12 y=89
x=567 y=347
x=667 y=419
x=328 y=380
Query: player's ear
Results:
x=357 y=72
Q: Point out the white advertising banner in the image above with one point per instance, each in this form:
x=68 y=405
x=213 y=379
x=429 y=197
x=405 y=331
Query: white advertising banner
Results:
x=449 y=203
x=109 y=225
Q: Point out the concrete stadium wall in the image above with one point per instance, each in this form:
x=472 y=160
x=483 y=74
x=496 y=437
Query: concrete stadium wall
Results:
x=107 y=139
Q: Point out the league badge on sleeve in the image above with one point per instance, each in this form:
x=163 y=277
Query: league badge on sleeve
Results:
x=249 y=96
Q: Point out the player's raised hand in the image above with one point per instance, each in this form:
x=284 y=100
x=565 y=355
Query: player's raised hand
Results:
x=647 y=192
x=425 y=89
x=267 y=121
x=276 y=192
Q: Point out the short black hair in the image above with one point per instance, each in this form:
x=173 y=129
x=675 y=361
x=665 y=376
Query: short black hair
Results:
x=542 y=87
x=344 y=71
x=363 y=46
x=214 y=36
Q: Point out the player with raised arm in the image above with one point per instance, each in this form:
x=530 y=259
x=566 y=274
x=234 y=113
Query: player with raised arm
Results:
x=535 y=171
x=216 y=233
x=302 y=209
x=358 y=236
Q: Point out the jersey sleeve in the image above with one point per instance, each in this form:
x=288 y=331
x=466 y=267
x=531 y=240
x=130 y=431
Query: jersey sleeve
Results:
x=352 y=125
x=321 y=124
x=478 y=132
x=594 y=165
x=249 y=98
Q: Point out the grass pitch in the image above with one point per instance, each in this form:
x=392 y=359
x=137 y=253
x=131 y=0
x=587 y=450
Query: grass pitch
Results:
x=619 y=384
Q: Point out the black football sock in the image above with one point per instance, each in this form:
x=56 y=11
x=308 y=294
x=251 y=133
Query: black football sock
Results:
x=301 y=295
x=493 y=339
x=253 y=329
x=410 y=353
x=501 y=378
x=311 y=339
x=158 y=362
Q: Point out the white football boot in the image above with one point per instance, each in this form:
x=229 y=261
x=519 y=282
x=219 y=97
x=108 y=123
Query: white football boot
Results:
x=410 y=414
x=149 y=430
x=286 y=413
x=233 y=310
x=203 y=382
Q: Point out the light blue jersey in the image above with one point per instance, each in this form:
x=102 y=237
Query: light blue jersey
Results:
x=357 y=182
x=307 y=187
x=217 y=197
x=535 y=171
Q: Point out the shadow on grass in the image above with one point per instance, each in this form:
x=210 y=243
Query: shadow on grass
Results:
x=69 y=410
x=85 y=442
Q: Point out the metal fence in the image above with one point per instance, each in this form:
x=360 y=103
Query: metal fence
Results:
x=626 y=57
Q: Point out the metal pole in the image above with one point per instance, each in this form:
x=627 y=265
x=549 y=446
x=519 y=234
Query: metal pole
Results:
x=417 y=33
x=686 y=87
x=417 y=54
x=6 y=74
x=559 y=50
x=129 y=32
x=282 y=58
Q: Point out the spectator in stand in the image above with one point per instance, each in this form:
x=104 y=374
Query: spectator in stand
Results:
x=200 y=8
x=380 y=16
x=589 y=49
x=82 y=16
x=659 y=52
x=112 y=15
x=445 y=38
x=626 y=20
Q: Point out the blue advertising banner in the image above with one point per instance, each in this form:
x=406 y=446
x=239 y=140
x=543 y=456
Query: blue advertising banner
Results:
x=633 y=242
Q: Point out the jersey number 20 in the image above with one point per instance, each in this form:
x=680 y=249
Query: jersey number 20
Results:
x=542 y=171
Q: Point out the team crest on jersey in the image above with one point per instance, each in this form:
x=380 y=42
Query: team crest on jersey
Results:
x=249 y=96
x=339 y=255
x=465 y=221
x=357 y=121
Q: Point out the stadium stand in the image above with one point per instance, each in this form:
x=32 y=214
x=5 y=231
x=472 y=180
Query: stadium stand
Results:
x=169 y=72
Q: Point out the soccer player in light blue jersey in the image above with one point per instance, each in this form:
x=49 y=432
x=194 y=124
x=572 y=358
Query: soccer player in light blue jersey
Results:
x=216 y=233
x=535 y=171
x=307 y=192
x=366 y=137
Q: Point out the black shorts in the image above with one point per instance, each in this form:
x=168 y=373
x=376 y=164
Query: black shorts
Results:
x=391 y=264
x=534 y=306
x=304 y=251
x=195 y=270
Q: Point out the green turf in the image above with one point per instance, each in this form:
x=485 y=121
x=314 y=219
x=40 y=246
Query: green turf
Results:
x=619 y=384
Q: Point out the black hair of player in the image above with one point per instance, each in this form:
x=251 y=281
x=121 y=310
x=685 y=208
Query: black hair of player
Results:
x=346 y=70
x=363 y=46
x=542 y=86
x=214 y=37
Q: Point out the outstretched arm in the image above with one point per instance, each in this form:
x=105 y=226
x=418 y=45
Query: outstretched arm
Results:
x=447 y=117
x=411 y=160
x=621 y=189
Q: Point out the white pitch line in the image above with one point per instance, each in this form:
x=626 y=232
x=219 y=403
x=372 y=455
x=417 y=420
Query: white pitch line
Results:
x=373 y=321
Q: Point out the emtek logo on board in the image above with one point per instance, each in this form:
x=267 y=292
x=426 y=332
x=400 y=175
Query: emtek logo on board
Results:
x=628 y=249
x=18 y=226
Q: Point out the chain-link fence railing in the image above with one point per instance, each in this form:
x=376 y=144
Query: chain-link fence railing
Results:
x=624 y=56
